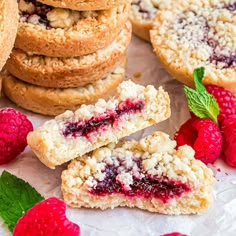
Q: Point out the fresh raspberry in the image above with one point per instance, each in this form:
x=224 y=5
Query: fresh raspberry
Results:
x=46 y=218
x=14 y=127
x=229 y=143
x=204 y=136
x=174 y=234
x=225 y=99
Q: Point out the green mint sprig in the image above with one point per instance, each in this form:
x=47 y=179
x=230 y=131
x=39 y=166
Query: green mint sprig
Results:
x=16 y=197
x=200 y=102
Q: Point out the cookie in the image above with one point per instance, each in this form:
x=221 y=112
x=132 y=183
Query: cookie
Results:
x=8 y=28
x=149 y=174
x=57 y=32
x=84 y=5
x=198 y=33
x=54 y=101
x=142 y=15
x=69 y=72
x=73 y=134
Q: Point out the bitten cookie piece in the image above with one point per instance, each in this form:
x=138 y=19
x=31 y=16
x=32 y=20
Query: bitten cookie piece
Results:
x=59 y=72
x=142 y=15
x=54 y=101
x=194 y=34
x=73 y=134
x=85 y=5
x=59 y=32
x=8 y=28
x=150 y=174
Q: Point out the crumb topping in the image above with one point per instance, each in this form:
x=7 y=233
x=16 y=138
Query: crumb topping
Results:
x=49 y=17
x=147 y=9
x=200 y=32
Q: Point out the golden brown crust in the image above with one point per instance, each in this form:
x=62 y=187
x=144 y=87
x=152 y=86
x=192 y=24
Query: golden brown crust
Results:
x=69 y=72
x=193 y=45
x=88 y=35
x=157 y=156
x=8 y=28
x=52 y=101
x=85 y=5
x=141 y=29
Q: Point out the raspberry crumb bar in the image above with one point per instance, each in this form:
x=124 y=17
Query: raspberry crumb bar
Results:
x=198 y=33
x=73 y=134
x=150 y=174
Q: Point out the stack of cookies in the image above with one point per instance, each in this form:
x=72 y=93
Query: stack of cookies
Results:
x=67 y=53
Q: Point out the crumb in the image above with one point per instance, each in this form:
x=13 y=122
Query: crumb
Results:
x=137 y=74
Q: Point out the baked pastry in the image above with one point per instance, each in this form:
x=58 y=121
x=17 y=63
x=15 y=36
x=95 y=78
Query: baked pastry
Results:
x=58 y=32
x=198 y=33
x=142 y=15
x=85 y=5
x=54 y=101
x=69 y=72
x=73 y=134
x=150 y=174
x=8 y=28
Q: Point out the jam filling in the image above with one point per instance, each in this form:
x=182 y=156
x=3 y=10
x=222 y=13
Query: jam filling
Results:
x=40 y=11
x=147 y=187
x=100 y=122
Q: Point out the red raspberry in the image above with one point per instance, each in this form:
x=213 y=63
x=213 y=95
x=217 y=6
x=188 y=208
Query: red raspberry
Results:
x=174 y=234
x=204 y=136
x=46 y=218
x=14 y=127
x=229 y=143
x=225 y=99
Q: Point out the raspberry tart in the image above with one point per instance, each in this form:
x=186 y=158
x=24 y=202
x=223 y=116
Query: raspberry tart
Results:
x=150 y=174
x=194 y=34
x=60 y=32
x=54 y=101
x=58 y=72
x=8 y=28
x=73 y=134
x=142 y=15
x=85 y=5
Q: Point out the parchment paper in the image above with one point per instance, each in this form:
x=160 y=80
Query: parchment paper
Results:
x=219 y=220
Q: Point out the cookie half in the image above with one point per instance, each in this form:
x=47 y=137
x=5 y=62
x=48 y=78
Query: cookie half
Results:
x=59 y=32
x=8 y=28
x=185 y=38
x=52 y=101
x=73 y=134
x=149 y=174
x=84 y=5
x=142 y=15
x=58 y=72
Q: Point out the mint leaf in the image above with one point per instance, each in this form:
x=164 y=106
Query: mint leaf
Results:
x=198 y=75
x=16 y=197
x=200 y=102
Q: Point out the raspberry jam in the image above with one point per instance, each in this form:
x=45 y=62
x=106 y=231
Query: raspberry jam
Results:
x=146 y=187
x=231 y=7
x=100 y=122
